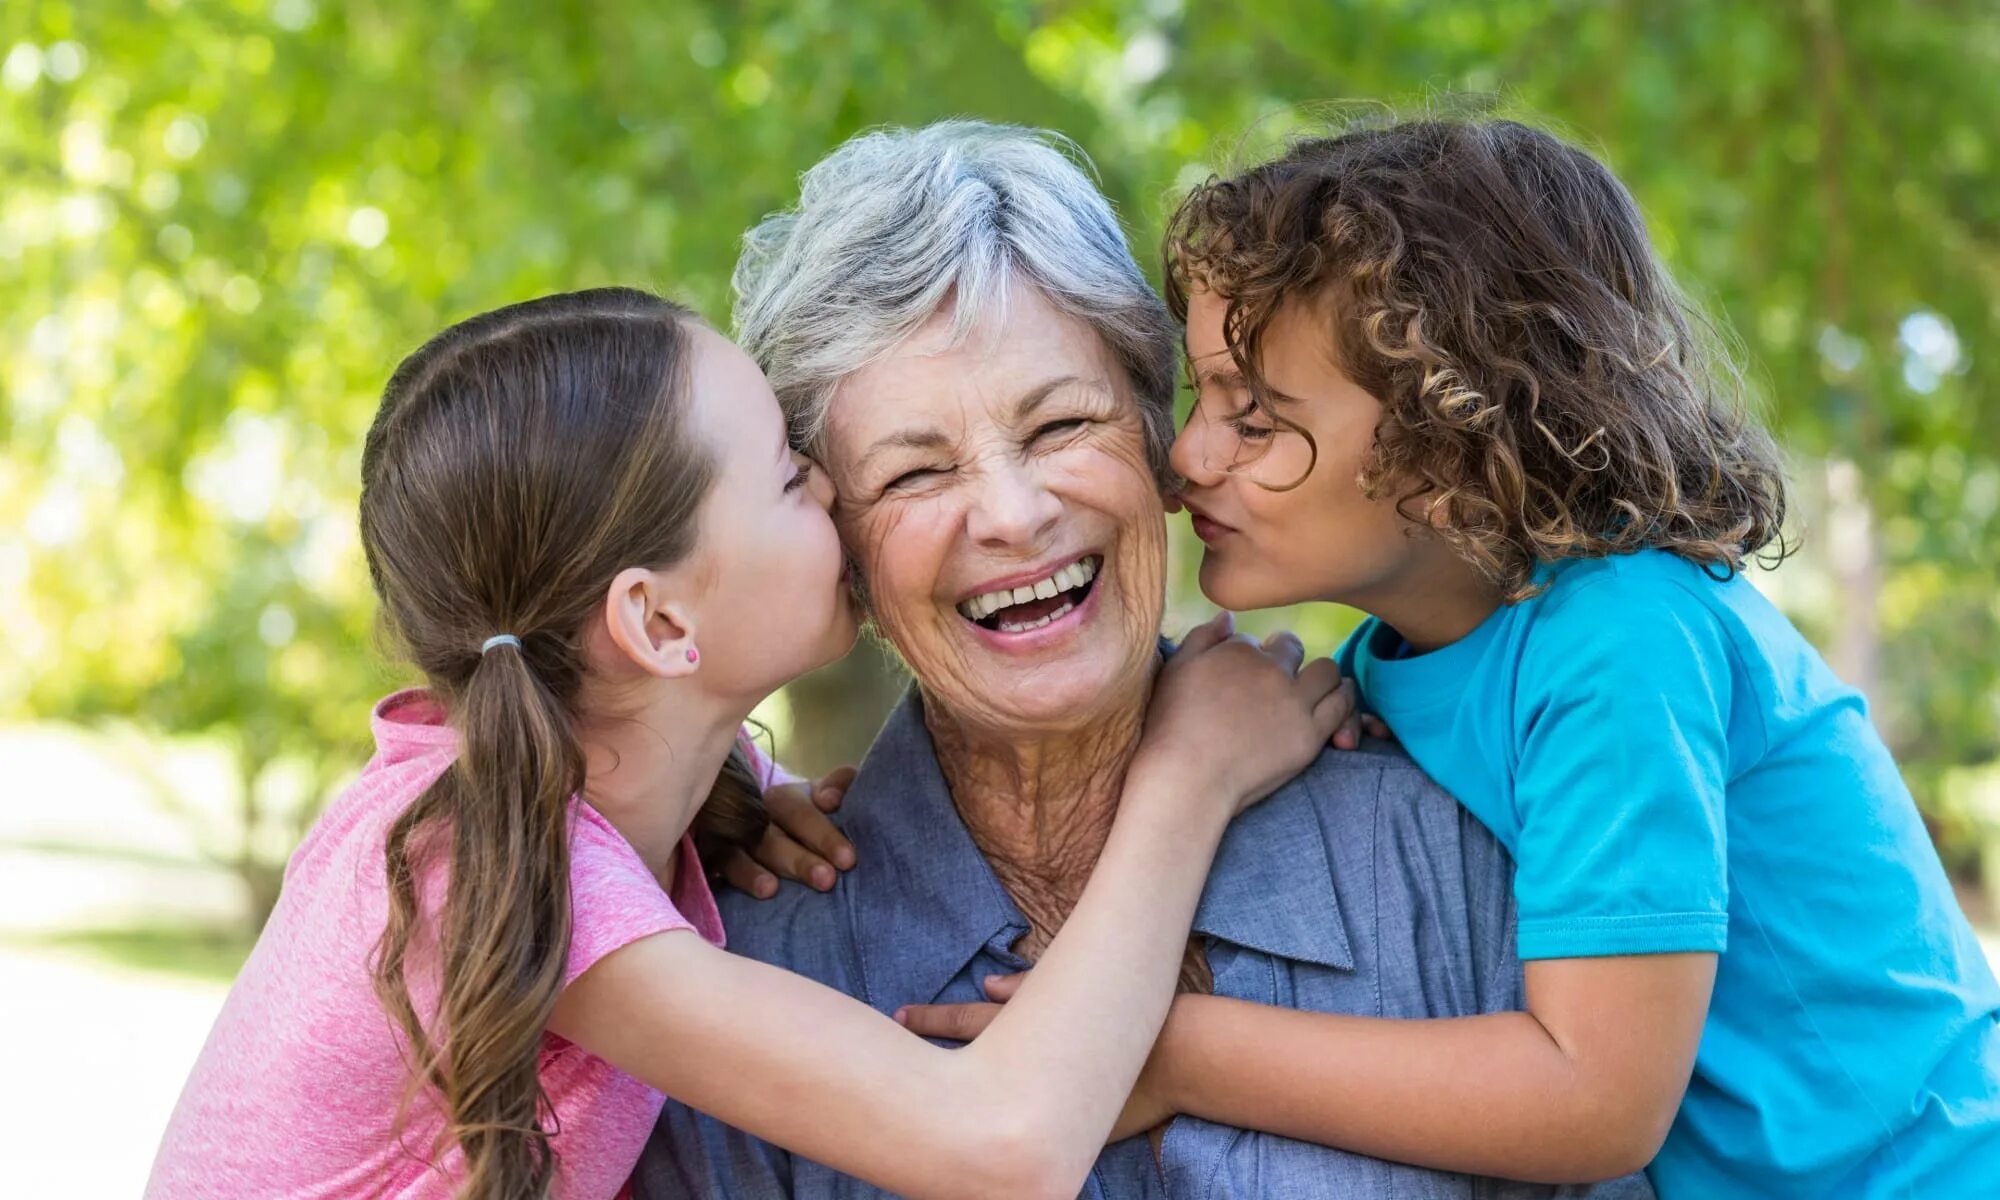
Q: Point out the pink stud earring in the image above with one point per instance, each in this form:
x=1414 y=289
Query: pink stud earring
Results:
x=693 y=654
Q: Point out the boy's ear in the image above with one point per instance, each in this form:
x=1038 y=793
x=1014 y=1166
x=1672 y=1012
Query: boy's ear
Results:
x=648 y=625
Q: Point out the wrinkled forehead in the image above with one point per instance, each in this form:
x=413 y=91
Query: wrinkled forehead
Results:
x=1014 y=352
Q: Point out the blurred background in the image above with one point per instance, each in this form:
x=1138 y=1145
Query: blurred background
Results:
x=223 y=221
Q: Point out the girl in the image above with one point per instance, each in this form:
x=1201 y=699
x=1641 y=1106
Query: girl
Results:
x=1442 y=377
x=497 y=949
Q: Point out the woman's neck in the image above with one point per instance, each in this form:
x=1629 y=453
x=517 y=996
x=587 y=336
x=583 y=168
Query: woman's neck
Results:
x=649 y=769
x=1039 y=808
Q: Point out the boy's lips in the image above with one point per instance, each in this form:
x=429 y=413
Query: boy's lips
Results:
x=1207 y=528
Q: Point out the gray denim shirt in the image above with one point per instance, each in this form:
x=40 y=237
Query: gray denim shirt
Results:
x=1359 y=887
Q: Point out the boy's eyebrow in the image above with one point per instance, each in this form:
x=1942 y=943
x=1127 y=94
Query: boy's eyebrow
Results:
x=1226 y=374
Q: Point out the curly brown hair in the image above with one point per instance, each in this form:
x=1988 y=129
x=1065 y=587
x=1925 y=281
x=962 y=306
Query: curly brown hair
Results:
x=1547 y=392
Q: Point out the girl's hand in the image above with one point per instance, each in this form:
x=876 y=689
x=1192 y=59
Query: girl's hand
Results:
x=800 y=844
x=1357 y=724
x=1146 y=1108
x=1242 y=716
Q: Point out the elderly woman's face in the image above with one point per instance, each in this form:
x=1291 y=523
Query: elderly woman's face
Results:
x=997 y=499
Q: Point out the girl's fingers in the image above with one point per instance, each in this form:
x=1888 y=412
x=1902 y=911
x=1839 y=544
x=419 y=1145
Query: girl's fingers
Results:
x=1375 y=727
x=1336 y=708
x=1212 y=632
x=1348 y=736
x=800 y=826
x=954 y=1022
x=1318 y=679
x=741 y=872
x=1286 y=647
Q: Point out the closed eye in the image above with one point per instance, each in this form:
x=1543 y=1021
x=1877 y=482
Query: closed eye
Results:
x=910 y=477
x=1248 y=432
x=799 y=477
x=1066 y=425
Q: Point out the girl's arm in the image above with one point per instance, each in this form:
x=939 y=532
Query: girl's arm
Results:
x=1026 y=1110
x=1581 y=1087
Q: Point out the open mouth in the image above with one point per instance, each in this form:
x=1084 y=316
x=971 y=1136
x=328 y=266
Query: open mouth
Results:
x=1033 y=605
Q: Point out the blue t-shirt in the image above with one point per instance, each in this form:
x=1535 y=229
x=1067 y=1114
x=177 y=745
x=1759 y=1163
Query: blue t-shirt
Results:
x=1674 y=768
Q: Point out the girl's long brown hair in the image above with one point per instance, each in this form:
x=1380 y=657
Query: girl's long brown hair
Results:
x=519 y=461
x=1546 y=390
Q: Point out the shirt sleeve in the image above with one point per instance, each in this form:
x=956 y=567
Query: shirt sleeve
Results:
x=614 y=899
x=1623 y=734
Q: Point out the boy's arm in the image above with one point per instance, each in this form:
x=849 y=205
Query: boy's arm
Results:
x=1582 y=1087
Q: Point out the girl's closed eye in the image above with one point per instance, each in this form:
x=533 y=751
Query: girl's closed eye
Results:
x=799 y=477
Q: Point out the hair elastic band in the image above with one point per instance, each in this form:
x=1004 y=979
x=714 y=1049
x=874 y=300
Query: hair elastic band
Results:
x=500 y=639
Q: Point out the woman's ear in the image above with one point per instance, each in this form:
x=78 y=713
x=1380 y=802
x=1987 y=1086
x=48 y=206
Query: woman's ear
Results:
x=648 y=626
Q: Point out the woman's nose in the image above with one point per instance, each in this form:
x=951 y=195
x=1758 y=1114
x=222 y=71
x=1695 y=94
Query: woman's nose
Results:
x=1012 y=508
x=1190 y=453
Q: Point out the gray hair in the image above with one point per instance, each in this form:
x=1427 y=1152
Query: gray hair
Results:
x=897 y=222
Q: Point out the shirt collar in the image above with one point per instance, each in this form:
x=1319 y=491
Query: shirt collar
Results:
x=408 y=724
x=925 y=901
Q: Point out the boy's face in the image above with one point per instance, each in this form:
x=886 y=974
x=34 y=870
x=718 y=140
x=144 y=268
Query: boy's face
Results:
x=1280 y=525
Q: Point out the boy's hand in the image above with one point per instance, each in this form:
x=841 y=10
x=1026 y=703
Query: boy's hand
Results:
x=800 y=844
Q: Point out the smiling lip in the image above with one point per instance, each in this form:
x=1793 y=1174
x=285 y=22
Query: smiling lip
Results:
x=1026 y=578
x=1056 y=632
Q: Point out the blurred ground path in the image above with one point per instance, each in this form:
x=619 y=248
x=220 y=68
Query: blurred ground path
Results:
x=94 y=1058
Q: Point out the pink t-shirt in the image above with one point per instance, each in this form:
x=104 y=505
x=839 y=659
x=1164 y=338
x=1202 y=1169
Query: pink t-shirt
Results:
x=296 y=1089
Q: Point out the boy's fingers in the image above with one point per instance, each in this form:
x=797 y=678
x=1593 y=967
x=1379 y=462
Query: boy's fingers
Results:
x=832 y=788
x=1001 y=988
x=783 y=855
x=743 y=874
x=954 y=1022
x=800 y=838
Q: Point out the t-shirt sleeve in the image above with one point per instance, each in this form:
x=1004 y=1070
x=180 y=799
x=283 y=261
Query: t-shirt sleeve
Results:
x=1623 y=734
x=767 y=769
x=614 y=899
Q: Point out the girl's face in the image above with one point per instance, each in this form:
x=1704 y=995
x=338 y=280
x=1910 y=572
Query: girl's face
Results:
x=1322 y=539
x=769 y=598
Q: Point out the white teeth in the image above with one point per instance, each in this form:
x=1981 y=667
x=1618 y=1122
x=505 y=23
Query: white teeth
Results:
x=1011 y=627
x=1073 y=575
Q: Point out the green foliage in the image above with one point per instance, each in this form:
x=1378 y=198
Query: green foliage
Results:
x=224 y=220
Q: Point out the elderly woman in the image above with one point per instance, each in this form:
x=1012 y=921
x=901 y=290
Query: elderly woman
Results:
x=956 y=328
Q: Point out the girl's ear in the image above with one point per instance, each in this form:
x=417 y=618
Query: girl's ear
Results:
x=648 y=625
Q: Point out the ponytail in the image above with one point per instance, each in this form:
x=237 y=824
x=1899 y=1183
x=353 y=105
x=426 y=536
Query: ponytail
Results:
x=504 y=929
